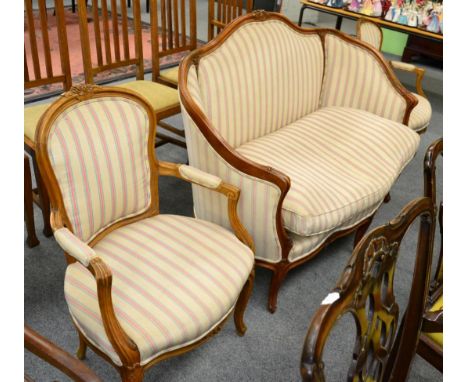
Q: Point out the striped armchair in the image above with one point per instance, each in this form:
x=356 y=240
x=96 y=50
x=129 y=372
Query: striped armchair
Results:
x=140 y=286
x=311 y=125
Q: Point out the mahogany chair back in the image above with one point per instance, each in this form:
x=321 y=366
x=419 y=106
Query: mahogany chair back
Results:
x=222 y=12
x=112 y=42
x=169 y=29
x=383 y=351
x=38 y=40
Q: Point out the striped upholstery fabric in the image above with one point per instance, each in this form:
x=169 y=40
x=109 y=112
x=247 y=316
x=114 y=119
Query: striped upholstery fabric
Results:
x=371 y=33
x=353 y=78
x=421 y=115
x=341 y=161
x=98 y=150
x=263 y=77
x=258 y=200
x=174 y=279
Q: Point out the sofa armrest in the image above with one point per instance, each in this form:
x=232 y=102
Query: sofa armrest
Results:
x=419 y=72
x=74 y=246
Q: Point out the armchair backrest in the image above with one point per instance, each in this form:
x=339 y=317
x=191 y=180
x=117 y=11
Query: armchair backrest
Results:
x=370 y=32
x=96 y=151
x=258 y=76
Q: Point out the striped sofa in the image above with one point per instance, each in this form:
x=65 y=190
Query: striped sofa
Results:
x=311 y=125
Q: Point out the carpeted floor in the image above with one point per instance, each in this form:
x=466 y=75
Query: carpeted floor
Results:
x=271 y=348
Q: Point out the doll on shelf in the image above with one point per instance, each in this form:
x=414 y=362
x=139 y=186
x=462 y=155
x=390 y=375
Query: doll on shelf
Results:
x=355 y=6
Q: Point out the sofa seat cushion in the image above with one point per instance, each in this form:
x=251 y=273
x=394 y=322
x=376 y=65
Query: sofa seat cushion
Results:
x=174 y=279
x=421 y=115
x=341 y=161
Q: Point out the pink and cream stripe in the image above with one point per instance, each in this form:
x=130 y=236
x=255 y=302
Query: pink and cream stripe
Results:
x=169 y=285
x=370 y=33
x=102 y=180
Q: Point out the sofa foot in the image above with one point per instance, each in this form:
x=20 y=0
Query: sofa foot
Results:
x=132 y=375
x=276 y=280
x=241 y=304
x=387 y=198
x=81 y=352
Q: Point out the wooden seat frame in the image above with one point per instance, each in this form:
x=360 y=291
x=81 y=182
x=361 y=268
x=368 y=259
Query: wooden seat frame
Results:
x=131 y=370
x=383 y=351
x=57 y=357
x=266 y=173
x=107 y=60
x=40 y=196
x=433 y=321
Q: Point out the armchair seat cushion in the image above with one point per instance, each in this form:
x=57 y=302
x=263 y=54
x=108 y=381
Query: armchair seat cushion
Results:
x=32 y=115
x=160 y=97
x=171 y=74
x=421 y=114
x=341 y=162
x=174 y=279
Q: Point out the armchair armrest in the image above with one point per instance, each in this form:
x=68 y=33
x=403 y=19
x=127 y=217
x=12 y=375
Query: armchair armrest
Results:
x=433 y=322
x=215 y=183
x=413 y=69
x=74 y=246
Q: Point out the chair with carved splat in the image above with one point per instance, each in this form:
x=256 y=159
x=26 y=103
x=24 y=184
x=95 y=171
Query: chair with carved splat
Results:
x=430 y=345
x=39 y=71
x=383 y=350
x=371 y=33
x=141 y=286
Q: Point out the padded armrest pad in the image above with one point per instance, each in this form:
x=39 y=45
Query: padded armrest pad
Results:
x=74 y=246
x=200 y=177
x=403 y=66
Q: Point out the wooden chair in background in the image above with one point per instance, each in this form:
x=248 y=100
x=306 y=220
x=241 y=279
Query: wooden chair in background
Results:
x=383 y=350
x=42 y=73
x=172 y=32
x=112 y=50
x=132 y=286
x=223 y=12
x=371 y=33
x=57 y=357
x=430 y=345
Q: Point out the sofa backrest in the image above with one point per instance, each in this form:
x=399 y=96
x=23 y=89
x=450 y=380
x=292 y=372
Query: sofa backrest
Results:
x=263 y=76
x=355 y=77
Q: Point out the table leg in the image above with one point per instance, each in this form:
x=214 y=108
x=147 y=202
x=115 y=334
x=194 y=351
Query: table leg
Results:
x=339 y=21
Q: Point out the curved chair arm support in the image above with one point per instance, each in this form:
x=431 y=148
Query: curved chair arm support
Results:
x=201 y=178
x=57 y=357
x=74 y=247
x=414 y=69
x=432 y=153
x=433 y=322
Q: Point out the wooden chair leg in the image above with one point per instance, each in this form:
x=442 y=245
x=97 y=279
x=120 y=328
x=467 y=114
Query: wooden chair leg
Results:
x=132 y=375
x=276 y=280
x=32 y=239
x=44 y=199
x=241 y=304
x=361 y=230
x=81 y=352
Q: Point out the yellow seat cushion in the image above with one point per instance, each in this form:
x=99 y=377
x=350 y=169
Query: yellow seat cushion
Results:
x=160 y=96
x=32 y=114
x=171 y=75
x=438 y=338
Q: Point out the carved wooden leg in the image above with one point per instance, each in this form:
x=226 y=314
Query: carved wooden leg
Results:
x=242 y=304
x=81 y=352
x=132 y=375
x=362 y=229
x=387 y=198
x=278 y=276
x=32 y=239
x=44 y=199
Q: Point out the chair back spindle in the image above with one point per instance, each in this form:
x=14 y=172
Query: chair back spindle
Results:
x=222 y=12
